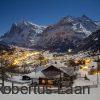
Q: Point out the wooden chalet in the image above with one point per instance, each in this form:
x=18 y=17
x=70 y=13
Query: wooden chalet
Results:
x=55 y=76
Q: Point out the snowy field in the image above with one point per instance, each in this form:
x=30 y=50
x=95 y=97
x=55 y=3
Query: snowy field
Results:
x=94 y=93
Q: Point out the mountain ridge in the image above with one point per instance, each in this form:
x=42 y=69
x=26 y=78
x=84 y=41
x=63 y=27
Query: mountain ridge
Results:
x=59 y=36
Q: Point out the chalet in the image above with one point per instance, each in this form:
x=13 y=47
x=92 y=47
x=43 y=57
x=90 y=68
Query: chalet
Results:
x=57 y=75
x=53 y=75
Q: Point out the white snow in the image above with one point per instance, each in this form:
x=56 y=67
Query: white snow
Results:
x=29 y=33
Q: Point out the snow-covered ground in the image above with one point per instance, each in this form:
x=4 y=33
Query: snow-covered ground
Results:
x=95 y=95
x=94 y=92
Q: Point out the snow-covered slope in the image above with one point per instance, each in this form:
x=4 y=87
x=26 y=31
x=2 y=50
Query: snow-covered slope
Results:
x=23 y=34
x=92 y=42
x=81 y=24
x=97 y=23
x=67 y=32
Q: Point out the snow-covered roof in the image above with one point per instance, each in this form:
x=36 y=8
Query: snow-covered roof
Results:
x=68 y=70
x=36 y=74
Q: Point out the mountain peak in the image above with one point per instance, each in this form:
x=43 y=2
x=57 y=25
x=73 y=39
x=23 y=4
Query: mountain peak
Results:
x=25 y=23
x=84 y=17
x=23 y=33
x=66 y=19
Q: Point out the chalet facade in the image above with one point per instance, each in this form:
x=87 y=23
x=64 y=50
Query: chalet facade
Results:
x=55 y=76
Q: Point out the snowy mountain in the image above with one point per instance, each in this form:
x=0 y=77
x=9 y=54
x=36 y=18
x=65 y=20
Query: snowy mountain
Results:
x=60 y=36
x=66 y=33
x=81 y=24
x=23 y=34
x=97 y=23
x=92 y=42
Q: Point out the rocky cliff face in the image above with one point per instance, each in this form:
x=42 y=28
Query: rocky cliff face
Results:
x=24 y=34
x=92 y=42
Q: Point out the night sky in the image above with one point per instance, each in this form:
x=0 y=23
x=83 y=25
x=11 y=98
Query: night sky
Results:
x=45 y=12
